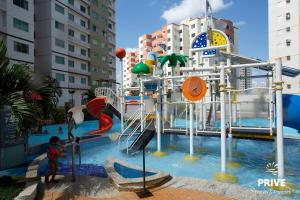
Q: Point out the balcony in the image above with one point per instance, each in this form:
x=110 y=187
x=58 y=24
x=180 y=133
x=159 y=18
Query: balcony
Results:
x=78 y=11
x=79 y=71
x=79 y=56
x=79 y=27
x=87 y=1
x=79 y=86
x=79 y=42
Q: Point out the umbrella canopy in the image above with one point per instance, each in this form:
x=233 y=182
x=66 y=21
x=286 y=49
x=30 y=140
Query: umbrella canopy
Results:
x=140 y=68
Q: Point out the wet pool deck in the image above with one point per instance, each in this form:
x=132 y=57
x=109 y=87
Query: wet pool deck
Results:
x=90 y=188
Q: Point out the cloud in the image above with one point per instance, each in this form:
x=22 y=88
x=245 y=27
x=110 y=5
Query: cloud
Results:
x=240 y=23
x=192 y=8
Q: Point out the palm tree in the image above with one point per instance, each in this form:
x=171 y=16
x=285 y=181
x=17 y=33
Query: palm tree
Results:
x=50 y=93
x=14 y=83
x=173 y=60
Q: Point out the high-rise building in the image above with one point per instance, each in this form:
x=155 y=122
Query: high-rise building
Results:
x=62 y=48
x=177 y=38
x=17 y=30
x=102 y=37
x=284 y=37
x=130 y=60
x=74 y=43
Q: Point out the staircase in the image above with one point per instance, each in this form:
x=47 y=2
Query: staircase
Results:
x=132 y=125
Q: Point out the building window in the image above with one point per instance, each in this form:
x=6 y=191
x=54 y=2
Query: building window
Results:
x=180 y=31
x=83 y=52
x=288 y=86
x=82 y=9
x=60 y=60
x=94 y=15
x=71 y=32
x=94 y=28
x=110 y=26
x=288 y=58
x=59 y=43
x=288 y=1
x=169 y=39
x=71 y=2
x=71 y=63
x=71 y=17
x=95 y=2
x=59 y=26
x=288 y=29
x=21 y=3
x=193 y=35
x=71 y=48
x=288 y=16
x=180 y=39
x=169 y=48
x=21 y=25
x=94 y=42
x=59 y=9
x=193 y=26
x=169 y=30
x=288 y=42
x=83 y=66
x=82 y=37
x=180 y=48
x=82 y=23
x=60 y=77
x=83 y=81
x=71 y=79
x=20 y=47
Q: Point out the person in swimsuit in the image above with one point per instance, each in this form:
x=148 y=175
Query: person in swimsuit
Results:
x=53 y=153
x=71 y=124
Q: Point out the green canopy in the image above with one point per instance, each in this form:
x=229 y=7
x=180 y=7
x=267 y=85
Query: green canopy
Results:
x=140 y=68
x=173 y=60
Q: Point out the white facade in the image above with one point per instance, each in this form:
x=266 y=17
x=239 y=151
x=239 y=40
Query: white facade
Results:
x=62 y=45
x=284 y=38
x=129 y=61
x=17 y=30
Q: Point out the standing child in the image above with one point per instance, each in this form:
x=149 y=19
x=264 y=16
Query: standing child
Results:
x=53 y=153
x=71 y=124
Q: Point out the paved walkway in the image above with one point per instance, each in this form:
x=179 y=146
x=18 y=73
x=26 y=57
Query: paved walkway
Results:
x=91 y=188
x=166 y=193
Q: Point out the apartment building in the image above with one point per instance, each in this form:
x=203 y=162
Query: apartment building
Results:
x=178 y=38
x=130 y=60
x=17 y=30
x=284 y=38
x=62 y=47
x=102 y=36
x=75 y=42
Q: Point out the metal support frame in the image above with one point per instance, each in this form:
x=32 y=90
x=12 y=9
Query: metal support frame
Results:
x=279 y=119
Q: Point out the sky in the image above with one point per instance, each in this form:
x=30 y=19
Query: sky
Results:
x=137 y=17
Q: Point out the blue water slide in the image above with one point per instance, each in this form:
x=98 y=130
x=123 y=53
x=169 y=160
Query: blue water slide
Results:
x=291 y=111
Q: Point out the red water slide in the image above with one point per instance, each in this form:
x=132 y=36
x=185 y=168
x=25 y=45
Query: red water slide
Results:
x=95 y=108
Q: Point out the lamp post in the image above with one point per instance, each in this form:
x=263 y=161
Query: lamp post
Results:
x=121 y=53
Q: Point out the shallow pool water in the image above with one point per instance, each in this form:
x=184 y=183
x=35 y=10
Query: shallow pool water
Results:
x=82 y=129
x=253 y=157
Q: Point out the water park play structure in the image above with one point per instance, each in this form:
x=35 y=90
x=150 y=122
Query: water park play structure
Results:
x=204 y=97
